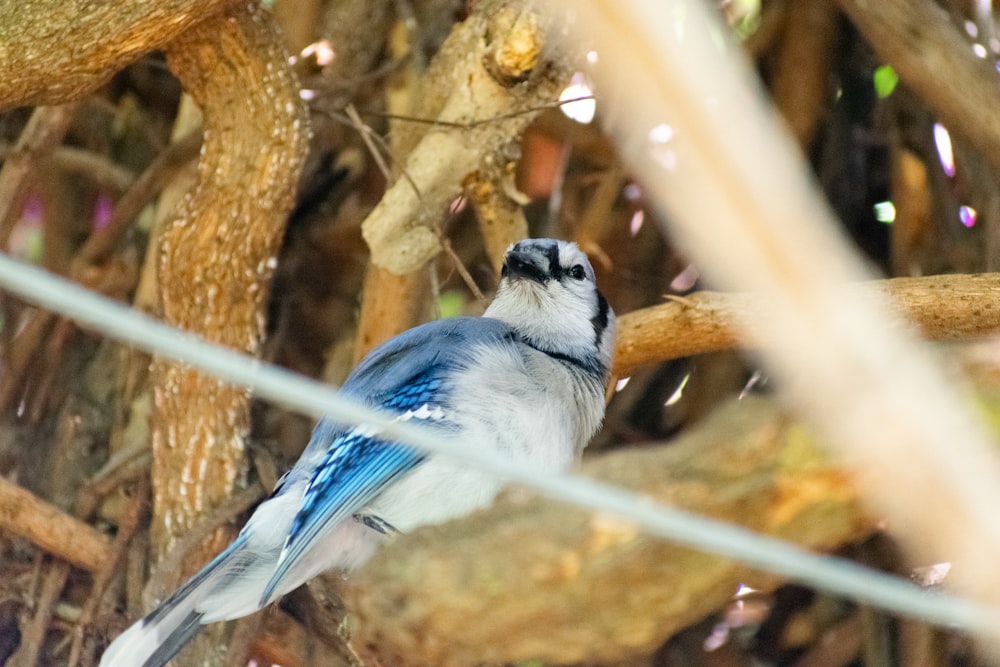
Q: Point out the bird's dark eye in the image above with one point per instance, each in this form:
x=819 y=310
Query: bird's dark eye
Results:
x=577 y=272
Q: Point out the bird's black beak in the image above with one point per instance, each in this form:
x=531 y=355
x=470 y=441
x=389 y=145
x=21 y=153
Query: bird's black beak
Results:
x=523 y=264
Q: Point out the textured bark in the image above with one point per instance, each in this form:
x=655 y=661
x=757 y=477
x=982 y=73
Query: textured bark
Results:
x=216 y=262
x=950 y=307
x=546 y=581
x=482 y=89
x=489 y=76
x=218 y=255
x=53 y=51
x=54 y=531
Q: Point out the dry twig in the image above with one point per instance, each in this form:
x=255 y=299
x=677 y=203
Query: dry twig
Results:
x=174 y=158
x=33 y=632
x=45 y=129
x=54 y=531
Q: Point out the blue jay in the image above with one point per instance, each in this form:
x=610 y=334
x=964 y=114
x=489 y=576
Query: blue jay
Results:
x=526 y=379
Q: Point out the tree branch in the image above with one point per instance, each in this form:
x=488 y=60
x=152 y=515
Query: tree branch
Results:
x=483 y=87
x=948 y=307
x=218 y=256
x=54 y=51
x=494 y=79
x=45 y=129
x=522 y=568
x=51 y=529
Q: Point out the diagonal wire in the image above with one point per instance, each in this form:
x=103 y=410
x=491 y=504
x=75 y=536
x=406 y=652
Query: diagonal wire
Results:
x=834 y=575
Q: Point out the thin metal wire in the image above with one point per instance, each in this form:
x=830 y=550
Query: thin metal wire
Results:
x=834 y=575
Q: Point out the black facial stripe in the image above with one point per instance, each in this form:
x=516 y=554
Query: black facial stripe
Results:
x=600 y=320
x=552 y=252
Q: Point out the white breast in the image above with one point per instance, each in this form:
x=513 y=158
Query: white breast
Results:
x=515 y=400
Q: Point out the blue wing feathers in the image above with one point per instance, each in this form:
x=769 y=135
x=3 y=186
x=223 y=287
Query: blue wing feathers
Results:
x=347 y=468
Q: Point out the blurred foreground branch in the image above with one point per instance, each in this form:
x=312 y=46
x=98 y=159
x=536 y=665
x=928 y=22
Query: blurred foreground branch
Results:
x=947 y=307
x=764 y=230
x=543 y=580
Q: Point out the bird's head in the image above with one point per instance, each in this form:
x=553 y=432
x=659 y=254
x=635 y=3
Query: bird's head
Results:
x=548 y=294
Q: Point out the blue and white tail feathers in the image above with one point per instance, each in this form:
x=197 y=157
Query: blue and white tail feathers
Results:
x=159 y=636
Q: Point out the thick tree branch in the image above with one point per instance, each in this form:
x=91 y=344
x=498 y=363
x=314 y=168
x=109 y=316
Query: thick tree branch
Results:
x=545 y=581
x=54 y=51
x=216 y=263
x=219 y=254
x=483 y=87
x=948 y=307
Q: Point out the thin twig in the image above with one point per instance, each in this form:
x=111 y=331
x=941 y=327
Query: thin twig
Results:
x=156 y=176
x=45 y=129
x=97 y=168
x=462 y=271
x=471 y=124
x=33 y=632
x=127 y=527
x=366 y=136
x=371 y=138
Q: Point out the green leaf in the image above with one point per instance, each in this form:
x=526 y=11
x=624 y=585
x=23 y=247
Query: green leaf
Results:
x=885 y=80
x=451 y=303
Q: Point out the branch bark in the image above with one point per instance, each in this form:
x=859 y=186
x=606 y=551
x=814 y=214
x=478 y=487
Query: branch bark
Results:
x=523 y=568
x=54 y=51
x=51 y=529
x=495 y=78
x=218 y=255
x=948 y=307
x=484 y=86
